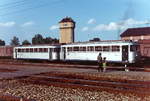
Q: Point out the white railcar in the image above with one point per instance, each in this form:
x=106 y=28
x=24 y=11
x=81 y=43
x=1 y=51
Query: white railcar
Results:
x=43 y=52
x=114 y=51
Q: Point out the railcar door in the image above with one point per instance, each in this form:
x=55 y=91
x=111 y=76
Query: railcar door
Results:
x=57 y=54
x=50 y=53
x=16 y=53
x=125 y=54
x=64 y=52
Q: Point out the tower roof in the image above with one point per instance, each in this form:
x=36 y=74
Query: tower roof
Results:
x=67 y=19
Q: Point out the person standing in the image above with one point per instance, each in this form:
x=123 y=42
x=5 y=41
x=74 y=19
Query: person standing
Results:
x=99 y=59
x=104 y=64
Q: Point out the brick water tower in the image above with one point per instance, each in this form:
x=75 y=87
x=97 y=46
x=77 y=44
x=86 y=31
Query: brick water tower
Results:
x=67 y=26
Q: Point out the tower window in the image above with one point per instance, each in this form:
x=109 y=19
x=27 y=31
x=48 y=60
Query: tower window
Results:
x=65 y=24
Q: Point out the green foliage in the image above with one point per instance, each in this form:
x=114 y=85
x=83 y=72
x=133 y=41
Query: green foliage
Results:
x=95 y=39
x=15 y=41
x=26 y=42
x=38 y=39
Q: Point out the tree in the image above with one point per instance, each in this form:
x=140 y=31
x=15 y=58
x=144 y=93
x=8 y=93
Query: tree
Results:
x=95 y=39
x=2 y=43
x=26 y=42
x=37 y=39
x=15 y=41
x=49 y=40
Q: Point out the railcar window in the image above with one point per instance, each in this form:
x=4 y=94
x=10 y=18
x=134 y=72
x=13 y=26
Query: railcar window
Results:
x=115 y=48
x=27 y=49
x=31 y=49
x=82 y=49
x=35 y=50
x=98 y=48
x=69 y=49
x=56 y=49
x=23 y=50
x=40 y=49
x=76 y=49
x=45 y=49
x=19 y=50
x=106 y=48
x=90 y=48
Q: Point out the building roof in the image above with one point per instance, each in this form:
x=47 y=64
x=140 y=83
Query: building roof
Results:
x=136 y=32
x=67 y=19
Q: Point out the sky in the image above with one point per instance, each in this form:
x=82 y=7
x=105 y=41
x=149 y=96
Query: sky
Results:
x=104 y=19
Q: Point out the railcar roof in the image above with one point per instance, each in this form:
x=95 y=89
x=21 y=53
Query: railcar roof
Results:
x=101 y=42
x=39 y=45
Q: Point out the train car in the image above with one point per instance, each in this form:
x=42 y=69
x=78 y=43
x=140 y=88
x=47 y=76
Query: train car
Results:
x=114 y=51
x=6 y=52
x=40 y=52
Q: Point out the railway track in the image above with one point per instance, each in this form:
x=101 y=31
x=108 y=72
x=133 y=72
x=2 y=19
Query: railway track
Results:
x=140 y=88
x=13 y=98
x=69 y=65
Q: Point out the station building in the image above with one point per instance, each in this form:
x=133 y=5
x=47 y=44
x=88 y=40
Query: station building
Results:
x=136 y=34
x=142 y=36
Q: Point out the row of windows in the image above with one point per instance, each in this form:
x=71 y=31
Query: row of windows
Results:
x=95 y=48
x=43 y=50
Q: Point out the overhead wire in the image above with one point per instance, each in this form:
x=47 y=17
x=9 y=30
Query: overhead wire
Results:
x=31 y=7
x=15 y=5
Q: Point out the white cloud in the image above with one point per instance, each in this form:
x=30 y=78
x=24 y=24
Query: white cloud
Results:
x=7 y=24
x=119 y=25
x=54 y=27
x=91 y=21
x=111 y=26
x=85 y=29
x=26 y=24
